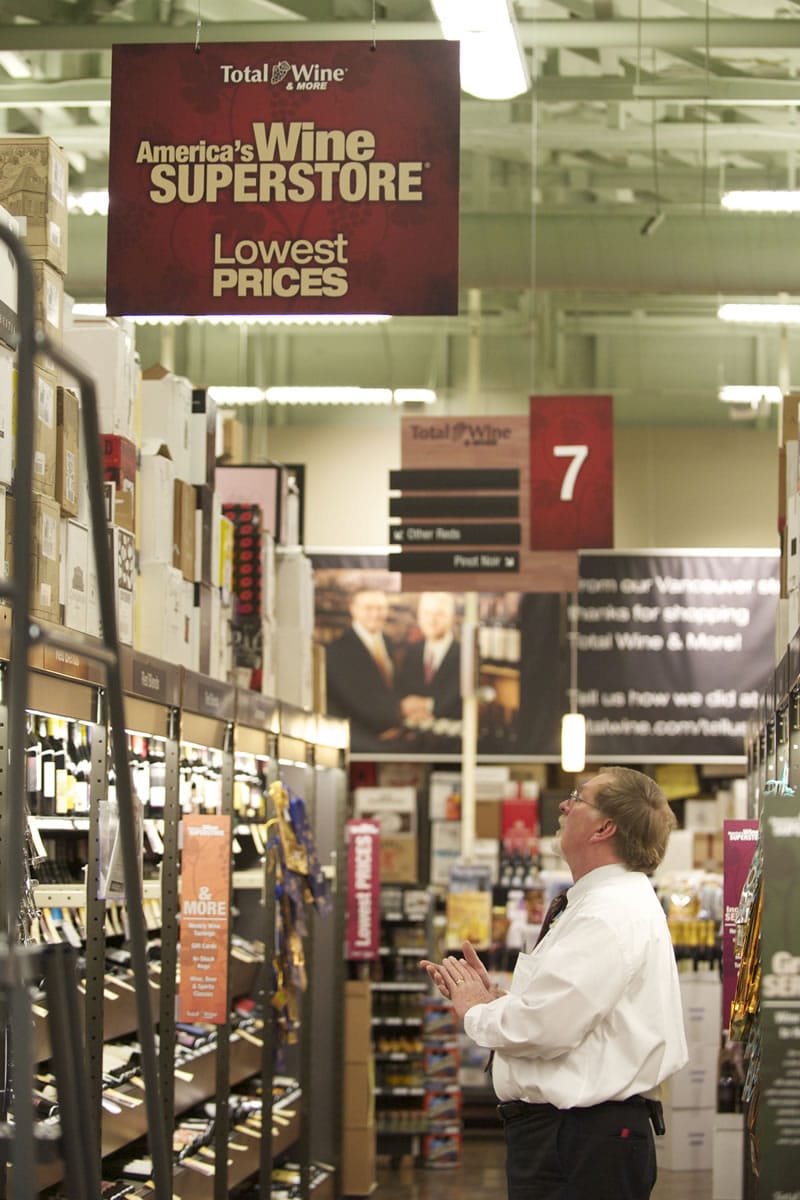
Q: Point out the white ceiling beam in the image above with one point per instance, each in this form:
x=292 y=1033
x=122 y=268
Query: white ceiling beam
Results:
x=666 y=34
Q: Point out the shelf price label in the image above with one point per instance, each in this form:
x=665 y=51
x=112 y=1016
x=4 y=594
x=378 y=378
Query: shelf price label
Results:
x=571 y=473
x=205 y=918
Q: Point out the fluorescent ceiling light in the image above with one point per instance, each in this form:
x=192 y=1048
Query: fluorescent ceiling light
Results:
x=752 y=394
x=493 y=63
x=785 y=201
x=760 y=314
x=239 y=319
x=328 y=395
x=226 y=397
x=90 y=203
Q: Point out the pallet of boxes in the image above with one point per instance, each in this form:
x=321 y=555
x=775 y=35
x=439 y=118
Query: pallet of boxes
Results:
x=33 y=204
x=358 y=1134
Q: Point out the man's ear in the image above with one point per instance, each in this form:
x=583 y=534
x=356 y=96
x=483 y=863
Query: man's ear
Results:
x=605 y=831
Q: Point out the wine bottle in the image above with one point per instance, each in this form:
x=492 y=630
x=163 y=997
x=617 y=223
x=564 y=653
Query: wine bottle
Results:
x=57 y=738
x=83 y=766
x=157 y=770
x=33 y=768
x=48 y=804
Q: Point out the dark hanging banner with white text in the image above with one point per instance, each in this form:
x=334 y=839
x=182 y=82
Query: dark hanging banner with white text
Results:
x=295 y=177
x=673 y=651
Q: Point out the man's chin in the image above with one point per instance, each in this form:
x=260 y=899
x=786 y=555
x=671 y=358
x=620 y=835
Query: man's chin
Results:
x=557 y=847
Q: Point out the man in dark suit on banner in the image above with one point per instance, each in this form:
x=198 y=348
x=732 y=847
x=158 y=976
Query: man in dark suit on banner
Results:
x=429 y=680
x=361 y=674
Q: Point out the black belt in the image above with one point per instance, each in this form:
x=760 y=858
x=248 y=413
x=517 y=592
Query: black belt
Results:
x=509 y=1109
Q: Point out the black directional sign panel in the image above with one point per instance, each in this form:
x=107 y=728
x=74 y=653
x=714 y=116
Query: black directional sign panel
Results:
x=501 y=479
x=454 y=506
x=466 y=561
x=450 y=534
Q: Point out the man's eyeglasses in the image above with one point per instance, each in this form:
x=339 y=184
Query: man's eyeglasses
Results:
x=576 y=798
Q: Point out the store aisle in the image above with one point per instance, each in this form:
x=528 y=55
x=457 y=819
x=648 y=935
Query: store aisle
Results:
x=481 y=1177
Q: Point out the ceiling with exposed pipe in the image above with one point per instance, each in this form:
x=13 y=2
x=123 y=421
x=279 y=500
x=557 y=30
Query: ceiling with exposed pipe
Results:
x=594 y=251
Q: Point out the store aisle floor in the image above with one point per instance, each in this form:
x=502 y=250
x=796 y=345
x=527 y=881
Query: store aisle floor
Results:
x=481 y=1176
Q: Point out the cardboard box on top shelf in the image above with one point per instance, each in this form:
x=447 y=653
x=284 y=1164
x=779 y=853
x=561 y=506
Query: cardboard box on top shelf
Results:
x=7 y=388
x=75 y=588
x=183 y=526
x=68 y=434
x=156 y=504
x=190 y=644
x=208 y=511
x=202 y=438
x=34 y=177
x=8 y=282
x=8 y=535
x=159 y=613
x=788 y=425
x=45 y=552
x=107 y=349
x=45 y=433
x=230 y=439
x=166 y=407
x=120 y=468
x=49 y=304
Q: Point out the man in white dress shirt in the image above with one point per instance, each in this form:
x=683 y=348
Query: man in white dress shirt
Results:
x=592 y=1023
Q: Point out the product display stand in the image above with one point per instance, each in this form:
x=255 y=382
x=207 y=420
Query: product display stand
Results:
x=24 y=634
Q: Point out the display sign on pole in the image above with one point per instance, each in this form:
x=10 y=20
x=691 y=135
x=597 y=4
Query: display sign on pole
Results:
x=739 y=840
x=363 y=890
x=205 y=918
x=299 y=177
x=779 y=1087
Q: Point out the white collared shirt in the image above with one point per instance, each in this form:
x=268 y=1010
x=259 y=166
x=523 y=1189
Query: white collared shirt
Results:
x=437 y=650
x=594 y=1012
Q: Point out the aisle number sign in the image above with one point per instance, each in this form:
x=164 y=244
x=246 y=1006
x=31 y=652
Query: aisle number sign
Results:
x=491 y=503
x=299 y=177
x=205 y=918
x=572 y=473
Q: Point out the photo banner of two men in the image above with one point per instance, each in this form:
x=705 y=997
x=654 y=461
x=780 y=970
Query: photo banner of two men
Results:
x=393 y=665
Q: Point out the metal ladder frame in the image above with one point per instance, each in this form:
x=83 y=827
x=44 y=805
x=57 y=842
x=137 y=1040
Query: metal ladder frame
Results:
x=83 y=1177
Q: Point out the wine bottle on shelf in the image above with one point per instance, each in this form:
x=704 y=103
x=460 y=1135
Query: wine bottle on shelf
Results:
x=33 y=768
x=83 y=766
x=62 y=783
x=157 y=772
x=48 y=803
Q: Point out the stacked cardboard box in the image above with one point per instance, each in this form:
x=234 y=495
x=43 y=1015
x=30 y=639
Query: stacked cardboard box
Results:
x=441 y=1145
x=358 y=1138
x=690 y=1096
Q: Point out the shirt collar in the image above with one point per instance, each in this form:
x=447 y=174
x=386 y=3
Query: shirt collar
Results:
x=596 y=878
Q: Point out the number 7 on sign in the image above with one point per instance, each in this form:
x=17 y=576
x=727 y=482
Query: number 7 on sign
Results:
x=579 y=455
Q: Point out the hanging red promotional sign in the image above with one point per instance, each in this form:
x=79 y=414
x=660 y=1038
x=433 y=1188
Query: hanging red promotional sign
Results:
x=296 y=177
x=363 y=889
x=205 y=918
x=571 y=473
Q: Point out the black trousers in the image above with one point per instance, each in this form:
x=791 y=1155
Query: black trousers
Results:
x=605 y=1152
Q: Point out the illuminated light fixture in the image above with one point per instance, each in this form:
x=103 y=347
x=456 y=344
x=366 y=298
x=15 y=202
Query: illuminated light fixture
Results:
x=89 y=203
x=328 y=395
x=228 y=396
x=760 y=314
x=493 y=63
x=752 y=394
x=784 y=201
x=240 y=319
x=573 y=742
x=99 y=310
